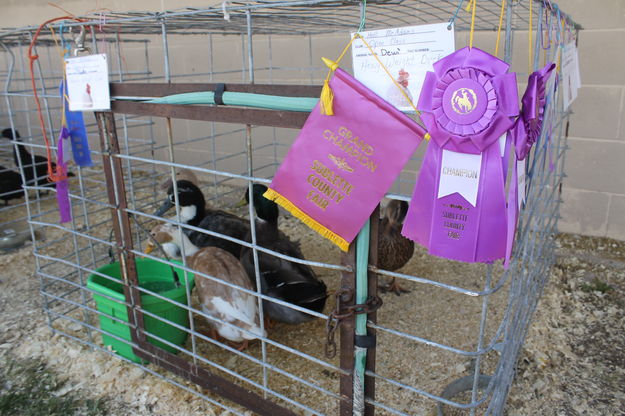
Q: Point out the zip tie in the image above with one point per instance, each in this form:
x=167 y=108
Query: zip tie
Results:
x=224 y=6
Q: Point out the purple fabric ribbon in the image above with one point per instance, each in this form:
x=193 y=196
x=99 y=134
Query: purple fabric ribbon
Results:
x=529 y=124
x=526 y=132
x=62 y=186
x=468 y=102
x=341 y=166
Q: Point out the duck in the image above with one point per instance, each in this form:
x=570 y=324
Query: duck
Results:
x=291 y=282
x=193 y=211
x=181 y=174
x=10 y=185
x=238 y=309
x=394 y=250
x=37 y=177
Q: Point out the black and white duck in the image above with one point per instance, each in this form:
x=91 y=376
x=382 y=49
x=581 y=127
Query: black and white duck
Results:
x=193 y=211
x=181 y=174
x=37 y=176
x=291 y=282
x=237 y=309
x=394 y=250
x=10 y=185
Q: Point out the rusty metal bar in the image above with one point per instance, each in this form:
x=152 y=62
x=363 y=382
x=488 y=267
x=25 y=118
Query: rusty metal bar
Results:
x=121 y=224
x=347 y=328
x=131 y=89
x=372 y=316
x=235 y=115
x=109 y=146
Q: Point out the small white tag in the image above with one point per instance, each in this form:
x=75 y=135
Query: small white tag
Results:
x=502 y=144
x=407 y=52
x=460 y=172
x=520 y=172
x=578 y=77
x=570 y=74
x=88 y=83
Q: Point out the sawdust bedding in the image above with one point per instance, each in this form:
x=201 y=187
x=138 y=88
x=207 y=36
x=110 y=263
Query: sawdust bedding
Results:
x=572 y=362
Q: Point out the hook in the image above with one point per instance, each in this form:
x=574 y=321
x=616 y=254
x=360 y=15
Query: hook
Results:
x=79 y=42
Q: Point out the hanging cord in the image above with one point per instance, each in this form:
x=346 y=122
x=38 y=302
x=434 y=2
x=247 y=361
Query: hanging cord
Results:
x=529 y=45
x=453 y=18
x=327 y=96
x=58 y=175
x=363 y=16
x=326 y=105
x=471 y=6
x=547 y=30
x=503 y=7
x=61 y=51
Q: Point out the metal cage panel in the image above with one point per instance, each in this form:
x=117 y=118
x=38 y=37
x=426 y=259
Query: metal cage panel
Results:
x=450 y=343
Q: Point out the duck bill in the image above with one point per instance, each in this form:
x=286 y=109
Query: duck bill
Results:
x=241 y=203
x=149 y=248
x=163 y=208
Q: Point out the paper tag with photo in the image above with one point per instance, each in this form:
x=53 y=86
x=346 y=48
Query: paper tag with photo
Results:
x=88 y=83
x=408 y=53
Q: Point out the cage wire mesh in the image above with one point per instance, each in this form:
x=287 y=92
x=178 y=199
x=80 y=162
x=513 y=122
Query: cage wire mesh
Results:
x=450 y=345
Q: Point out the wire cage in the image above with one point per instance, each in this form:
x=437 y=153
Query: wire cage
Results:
x=449 y=345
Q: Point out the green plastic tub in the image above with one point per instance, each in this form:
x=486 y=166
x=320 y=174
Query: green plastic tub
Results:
x=156 y=277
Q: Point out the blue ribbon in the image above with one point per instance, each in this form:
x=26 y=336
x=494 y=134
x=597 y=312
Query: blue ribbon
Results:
x=77 y=132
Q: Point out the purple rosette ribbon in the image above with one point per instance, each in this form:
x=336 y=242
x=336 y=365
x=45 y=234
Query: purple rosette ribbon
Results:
x=458 y=209
x=468 y=101
x=529 y=124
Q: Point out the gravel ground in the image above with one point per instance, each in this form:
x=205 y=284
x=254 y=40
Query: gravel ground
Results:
x=572 y=362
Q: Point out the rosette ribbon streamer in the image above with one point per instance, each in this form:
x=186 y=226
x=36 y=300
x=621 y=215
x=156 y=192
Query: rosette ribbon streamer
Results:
x=344 y=161
x=528 y=126
x=525 y=133
x=458 y=209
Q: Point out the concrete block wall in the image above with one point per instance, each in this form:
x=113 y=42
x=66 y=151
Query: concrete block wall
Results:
x=593 y=192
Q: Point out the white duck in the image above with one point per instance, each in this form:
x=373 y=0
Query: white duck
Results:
x=235 y=307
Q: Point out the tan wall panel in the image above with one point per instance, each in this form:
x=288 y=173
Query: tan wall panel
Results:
x=594 y=192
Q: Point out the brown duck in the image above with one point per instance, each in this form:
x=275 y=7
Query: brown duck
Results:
x=237 y=309
x=394 y=250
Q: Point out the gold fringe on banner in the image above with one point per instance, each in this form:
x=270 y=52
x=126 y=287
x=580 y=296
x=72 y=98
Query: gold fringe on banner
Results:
x=289 y=206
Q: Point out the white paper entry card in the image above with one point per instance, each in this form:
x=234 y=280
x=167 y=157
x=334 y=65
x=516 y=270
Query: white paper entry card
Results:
x=88 y=83
x=407 y=52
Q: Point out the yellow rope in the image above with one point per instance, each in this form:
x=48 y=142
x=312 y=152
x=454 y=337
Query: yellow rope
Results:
x=326 y=100
x=472 y=3
x=327 y=96
x=503 y=6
